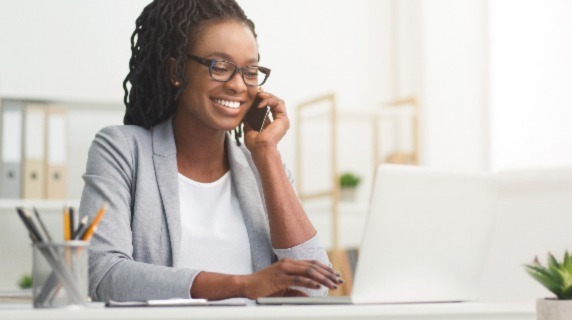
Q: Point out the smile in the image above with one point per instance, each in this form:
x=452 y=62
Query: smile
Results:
x=228 y=104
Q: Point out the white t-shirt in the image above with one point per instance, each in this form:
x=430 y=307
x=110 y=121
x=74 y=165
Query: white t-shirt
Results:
x=214 y=236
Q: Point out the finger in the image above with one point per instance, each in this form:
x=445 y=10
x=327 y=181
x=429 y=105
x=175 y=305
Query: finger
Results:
x=314 y=269
x=326 y=270
x=277 y=107
x=270 y=101
x=312 y=273
x=299 y=281
x=268 y=96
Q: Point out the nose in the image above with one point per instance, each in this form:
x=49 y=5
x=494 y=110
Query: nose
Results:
x=236 y=83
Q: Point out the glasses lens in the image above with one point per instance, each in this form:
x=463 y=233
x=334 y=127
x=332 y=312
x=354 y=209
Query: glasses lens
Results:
x=254 y=76
x=251 y=76
x=222 y=70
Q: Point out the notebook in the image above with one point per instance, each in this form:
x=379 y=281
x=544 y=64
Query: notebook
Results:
x=425 y=240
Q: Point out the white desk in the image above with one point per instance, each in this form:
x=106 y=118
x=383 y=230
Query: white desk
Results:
x=460 y=311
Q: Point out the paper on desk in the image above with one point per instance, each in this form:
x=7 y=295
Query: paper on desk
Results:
x=158 y=303
x=175 y=303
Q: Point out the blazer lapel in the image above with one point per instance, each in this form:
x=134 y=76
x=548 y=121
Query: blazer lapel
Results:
x=166 y=171
x=251 y=202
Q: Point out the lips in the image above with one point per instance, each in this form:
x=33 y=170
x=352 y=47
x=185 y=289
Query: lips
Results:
x=227 y=103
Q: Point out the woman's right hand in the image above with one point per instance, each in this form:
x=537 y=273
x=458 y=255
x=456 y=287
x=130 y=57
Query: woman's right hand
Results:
x=289 y=273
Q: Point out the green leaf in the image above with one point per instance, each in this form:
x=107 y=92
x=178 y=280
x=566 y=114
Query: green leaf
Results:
x=552 y=263
x=566 y=294
x=555 y=269
x=567 y=263
x=545 y=278
x=25 y=281
x=349 y=179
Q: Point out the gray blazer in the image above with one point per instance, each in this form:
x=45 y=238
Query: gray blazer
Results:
x=135 y=252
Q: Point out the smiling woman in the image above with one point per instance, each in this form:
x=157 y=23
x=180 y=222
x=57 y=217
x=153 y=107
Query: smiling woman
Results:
x=191 y=213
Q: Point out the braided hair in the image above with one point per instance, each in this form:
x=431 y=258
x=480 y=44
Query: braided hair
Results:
x=164 y=30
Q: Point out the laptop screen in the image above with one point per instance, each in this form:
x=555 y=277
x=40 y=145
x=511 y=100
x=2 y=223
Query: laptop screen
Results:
x=426 y=236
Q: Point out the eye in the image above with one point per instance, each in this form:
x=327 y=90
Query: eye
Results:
x=251 y=73
x=221 y=68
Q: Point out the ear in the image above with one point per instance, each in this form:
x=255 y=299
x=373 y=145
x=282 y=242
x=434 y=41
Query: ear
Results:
x=172 y=75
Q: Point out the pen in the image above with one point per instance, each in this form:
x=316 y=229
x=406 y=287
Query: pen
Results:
x=72 y=222
x=91 y=229
x=33 y=234
x=42 y=225
x=78 y=234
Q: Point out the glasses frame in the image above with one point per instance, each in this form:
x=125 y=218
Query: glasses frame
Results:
x=211 y=62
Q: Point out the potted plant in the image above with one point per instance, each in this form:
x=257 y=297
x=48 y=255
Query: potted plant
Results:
x=25 y=281
x=556 y=277
x=348 y=185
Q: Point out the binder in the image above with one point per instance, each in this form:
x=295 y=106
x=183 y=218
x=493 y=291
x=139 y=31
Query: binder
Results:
x=11 y=149
x=34 y=160
x=56 y=152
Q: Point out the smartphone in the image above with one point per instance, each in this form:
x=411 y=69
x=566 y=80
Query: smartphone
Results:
x=257 y=116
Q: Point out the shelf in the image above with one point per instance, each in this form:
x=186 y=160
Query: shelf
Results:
x=40 y=204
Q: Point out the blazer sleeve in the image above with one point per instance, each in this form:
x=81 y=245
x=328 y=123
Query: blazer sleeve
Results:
x=113 y=273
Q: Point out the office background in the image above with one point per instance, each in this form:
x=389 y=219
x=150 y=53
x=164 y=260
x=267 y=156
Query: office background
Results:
x=492 y=79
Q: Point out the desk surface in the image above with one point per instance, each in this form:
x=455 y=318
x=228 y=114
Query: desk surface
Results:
x=450 y=311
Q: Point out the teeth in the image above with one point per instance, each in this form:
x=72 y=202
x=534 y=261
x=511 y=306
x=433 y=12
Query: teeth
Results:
x=229 y=104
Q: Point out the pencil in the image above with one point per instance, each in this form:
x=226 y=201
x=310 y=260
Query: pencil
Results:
x=67 y=235
x=91 y=229
x=42 y=225
x=80 y=228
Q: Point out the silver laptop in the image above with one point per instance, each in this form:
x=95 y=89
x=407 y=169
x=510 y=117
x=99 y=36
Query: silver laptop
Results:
x=426 y=238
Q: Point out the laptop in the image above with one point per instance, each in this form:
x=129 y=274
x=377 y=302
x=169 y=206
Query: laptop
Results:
x=426 y=238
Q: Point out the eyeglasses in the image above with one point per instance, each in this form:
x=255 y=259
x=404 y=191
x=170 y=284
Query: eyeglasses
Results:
x=223 y=71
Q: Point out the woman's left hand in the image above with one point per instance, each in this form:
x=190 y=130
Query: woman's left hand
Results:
x=272 y=132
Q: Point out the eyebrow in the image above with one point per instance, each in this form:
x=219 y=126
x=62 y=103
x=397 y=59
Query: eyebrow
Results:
x=228 y=57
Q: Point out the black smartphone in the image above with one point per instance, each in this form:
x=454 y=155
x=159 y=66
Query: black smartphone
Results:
x=256 y=116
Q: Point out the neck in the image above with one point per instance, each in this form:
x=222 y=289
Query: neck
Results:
x=201 y=153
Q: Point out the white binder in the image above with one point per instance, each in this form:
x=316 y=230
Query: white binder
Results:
x=56 y=154
x=11 y=149
x=34 y=151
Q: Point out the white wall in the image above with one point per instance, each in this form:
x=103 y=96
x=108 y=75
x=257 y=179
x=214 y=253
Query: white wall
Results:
x=66 y=50
x=454 y=105
x=531 y=82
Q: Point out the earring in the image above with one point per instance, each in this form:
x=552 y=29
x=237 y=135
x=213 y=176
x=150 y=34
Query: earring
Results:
x=177 y=83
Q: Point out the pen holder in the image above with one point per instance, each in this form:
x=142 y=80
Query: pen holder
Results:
x=60 y=274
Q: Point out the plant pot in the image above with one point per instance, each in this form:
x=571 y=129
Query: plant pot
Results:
x=347 y=194
x=553 y=309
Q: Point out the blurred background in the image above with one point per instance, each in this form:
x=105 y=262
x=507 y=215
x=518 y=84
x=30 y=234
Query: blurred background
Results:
x=459 y=84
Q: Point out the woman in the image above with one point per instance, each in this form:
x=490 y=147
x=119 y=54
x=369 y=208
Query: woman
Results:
x=191 y=212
